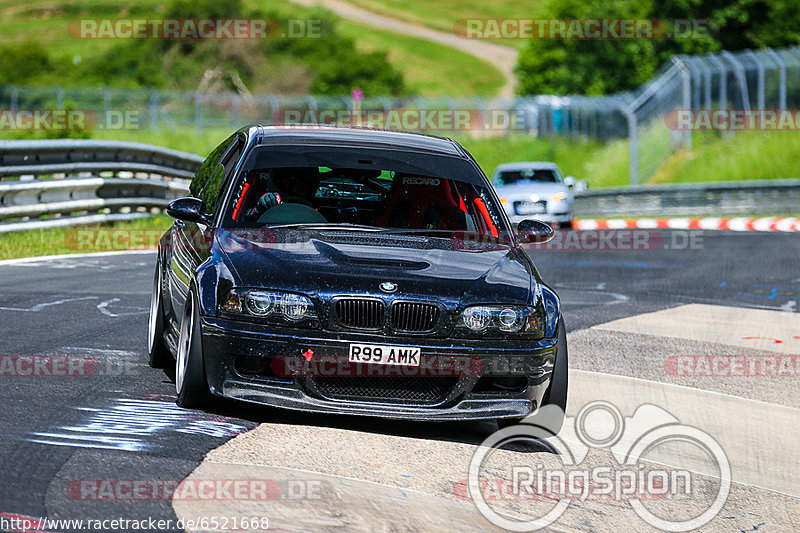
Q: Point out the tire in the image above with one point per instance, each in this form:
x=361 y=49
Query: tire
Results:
x=555 y=395
x=190 y=374
x=156 y=347
x=566 y=225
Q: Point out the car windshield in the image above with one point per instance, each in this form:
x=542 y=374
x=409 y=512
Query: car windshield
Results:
x=544 y=175
x=371 y=199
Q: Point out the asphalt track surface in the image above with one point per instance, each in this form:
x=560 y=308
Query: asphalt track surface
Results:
x=116 y=419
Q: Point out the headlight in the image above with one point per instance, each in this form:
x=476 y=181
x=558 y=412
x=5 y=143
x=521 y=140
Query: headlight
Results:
x=476 y=318
x=295 y=307
x=258 y=303
x=261 y=303
x=560 y=196
x=503 y=319
x=509 y=319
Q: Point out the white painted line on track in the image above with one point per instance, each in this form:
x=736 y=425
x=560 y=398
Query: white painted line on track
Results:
x=758 y=329
x=38 y=307
x=39 y=258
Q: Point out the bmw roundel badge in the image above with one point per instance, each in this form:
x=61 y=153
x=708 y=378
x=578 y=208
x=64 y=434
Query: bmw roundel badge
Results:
x=388 y=286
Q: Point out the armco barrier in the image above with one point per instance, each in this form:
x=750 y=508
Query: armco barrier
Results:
x=68 y=182
x=758 y=197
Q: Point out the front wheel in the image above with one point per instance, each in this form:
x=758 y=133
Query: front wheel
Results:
x=552 y=412
x=190 y=374
x=556 y=395
x=156 y=347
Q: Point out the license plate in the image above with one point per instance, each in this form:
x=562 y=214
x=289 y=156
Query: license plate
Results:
x=529 y=208
x=379 y=354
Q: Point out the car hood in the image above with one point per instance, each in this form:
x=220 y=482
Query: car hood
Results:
x=328 y=263
x=527 y=188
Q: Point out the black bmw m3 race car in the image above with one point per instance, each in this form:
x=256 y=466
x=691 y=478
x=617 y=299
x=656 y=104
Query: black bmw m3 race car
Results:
x=354 y=271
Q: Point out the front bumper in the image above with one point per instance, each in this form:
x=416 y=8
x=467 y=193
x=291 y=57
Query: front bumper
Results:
x=544 y=217
x=554 y=213
x=472 y=394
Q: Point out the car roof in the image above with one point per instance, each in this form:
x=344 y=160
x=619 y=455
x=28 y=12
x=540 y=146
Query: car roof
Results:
x=548 y=165
x=357 y=137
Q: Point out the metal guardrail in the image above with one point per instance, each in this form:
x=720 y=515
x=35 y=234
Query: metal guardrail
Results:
x=71 y=182
x=71 y=155
x=757 y=197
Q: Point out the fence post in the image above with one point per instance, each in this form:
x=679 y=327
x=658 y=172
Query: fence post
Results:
x=198 y=112
x=760 y=87
x=696 y=76
x=274 y=104
x=153 y=110
x=575 y=120
x=106 y=103
x=633 y=144
x=686 y=79
x=723 y=82
x=782 y=69
x=14 y=99
x=737 y=67
x=760 y=69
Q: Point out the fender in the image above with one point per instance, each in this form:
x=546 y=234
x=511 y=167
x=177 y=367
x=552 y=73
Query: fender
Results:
x=552 y=308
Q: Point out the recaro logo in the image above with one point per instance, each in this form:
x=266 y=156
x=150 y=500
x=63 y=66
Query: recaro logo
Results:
x=421 y=181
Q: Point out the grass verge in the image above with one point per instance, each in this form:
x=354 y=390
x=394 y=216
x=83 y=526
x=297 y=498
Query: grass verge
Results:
x=443 y=15
x=122 y=235
x=430 y=69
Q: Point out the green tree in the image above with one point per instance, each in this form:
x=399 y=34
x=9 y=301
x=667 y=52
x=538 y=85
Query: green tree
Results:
x=21 y=62
x=607 y=66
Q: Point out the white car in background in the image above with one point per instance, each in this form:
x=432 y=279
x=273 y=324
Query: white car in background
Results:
x=536 y=190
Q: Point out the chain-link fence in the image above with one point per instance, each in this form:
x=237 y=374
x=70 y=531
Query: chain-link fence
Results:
x=658 y=118
x=725 y=92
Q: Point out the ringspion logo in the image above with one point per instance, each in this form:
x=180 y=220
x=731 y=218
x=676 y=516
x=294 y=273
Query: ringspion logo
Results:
x=628 y=476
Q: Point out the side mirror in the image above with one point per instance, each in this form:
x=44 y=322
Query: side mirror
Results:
x=534 y=232
x=575 y=184
x=189 y=209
